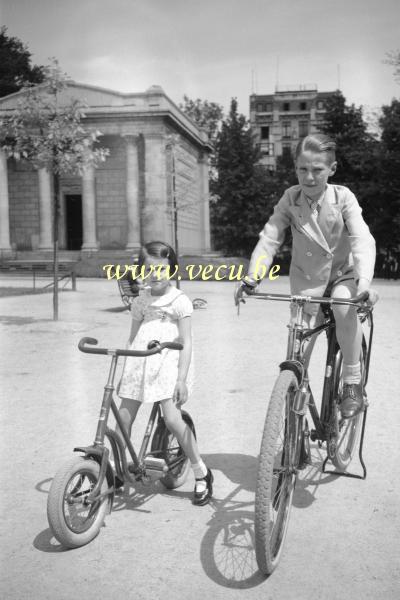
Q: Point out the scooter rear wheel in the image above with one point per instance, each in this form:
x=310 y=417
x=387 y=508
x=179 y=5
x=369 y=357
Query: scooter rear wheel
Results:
x=166 y=446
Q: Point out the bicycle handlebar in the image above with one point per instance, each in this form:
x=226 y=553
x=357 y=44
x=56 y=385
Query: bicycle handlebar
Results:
x=356 y=301
x=154 y=347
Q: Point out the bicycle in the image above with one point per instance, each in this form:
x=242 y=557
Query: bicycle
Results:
x=82 y=491
x=285 y=445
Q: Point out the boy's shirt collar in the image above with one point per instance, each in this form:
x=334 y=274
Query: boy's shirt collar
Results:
x=315 y=205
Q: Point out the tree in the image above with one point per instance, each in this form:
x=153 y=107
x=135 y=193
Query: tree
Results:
x=345 y=124
x=244 y=192
x=387 y=227
x=393 y=59
x=205 y=114
x=15 y=65
x=47 y=134
x=357 y=153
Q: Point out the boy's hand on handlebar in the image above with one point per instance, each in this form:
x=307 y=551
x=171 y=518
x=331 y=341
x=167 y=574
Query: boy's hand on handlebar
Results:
x=373 y=296
x=180 y=394
x=243 y=287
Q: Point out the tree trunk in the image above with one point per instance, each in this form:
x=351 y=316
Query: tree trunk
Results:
x=56 y=190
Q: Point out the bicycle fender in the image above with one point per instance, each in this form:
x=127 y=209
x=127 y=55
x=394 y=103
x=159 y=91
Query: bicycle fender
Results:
x=94 y=453
x=294 y=366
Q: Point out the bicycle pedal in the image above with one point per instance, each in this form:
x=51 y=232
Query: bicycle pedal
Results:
x=155 y=464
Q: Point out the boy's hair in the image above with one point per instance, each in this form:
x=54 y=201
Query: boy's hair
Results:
x=316 y=142
x=158 y=250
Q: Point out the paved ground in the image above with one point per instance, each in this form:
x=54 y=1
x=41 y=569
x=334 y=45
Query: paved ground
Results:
x=343 y=537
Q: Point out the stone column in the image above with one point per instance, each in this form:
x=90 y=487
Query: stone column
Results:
x=45 y=212
x=154 y=214
x=90 y=242
x=5 y=247
x=204 y=201
x=132 y=192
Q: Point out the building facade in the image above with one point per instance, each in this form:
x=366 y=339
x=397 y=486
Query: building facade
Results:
x=281 y=119
x=157 y=164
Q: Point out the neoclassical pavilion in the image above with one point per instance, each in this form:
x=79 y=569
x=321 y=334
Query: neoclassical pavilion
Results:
x=129 y=199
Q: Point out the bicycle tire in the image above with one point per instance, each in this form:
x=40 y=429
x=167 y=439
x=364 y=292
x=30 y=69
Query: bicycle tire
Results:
x=165 y=445
x=347 y=431
x=276 y=476
x=67 y=519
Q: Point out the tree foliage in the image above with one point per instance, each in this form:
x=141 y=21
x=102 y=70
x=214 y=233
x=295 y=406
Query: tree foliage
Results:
x=244 y=192
x=355 y=146
x=15 y=65
x=388 y=224
x=205 y=114
x=369 y=167
x=393 y=59
x=358 y=154
x=49 y=134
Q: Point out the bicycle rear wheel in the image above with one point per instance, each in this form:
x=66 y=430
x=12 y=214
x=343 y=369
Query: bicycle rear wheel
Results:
x=347 y=431
x=276 y=477
x=166 y=446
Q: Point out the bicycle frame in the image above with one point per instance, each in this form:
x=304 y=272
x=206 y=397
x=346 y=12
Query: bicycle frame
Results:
x=297 y=360
x=99 y=452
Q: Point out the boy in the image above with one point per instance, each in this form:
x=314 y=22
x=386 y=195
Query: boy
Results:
x=333 y=252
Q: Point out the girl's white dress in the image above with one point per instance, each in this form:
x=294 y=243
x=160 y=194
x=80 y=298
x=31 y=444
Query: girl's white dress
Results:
x=154 y=377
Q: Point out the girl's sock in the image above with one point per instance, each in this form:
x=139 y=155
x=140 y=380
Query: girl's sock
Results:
x=200 y=471
x=352 y=373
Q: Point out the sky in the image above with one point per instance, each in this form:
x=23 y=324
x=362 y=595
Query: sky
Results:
x=216 y=49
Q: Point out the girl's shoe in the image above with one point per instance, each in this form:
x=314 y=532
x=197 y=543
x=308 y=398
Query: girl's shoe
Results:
x=203 y=497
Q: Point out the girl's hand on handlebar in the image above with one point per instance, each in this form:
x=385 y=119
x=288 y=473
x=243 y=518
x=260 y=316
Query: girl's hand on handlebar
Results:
x=180 y=394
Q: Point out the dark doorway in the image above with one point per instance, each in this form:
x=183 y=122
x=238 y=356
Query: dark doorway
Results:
x=73 y=212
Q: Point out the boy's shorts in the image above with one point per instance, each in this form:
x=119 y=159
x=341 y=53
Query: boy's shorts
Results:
x=345 y=288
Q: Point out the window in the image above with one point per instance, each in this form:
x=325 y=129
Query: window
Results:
x=259 y=107
x=303 y=128
x=264 y=133
x=303 y=105
x=320 y=105
x=286 y=106
x=286 y=153
x=286 y=129
x=267 y=149
x=268 y=107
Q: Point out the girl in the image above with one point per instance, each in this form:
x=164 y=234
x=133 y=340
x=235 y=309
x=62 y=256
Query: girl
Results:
x=333 y=251
x=162 y=312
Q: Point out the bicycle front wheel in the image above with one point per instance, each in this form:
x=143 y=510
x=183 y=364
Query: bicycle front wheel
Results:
x=74 y=521
x=348 y=431
x=276 y=477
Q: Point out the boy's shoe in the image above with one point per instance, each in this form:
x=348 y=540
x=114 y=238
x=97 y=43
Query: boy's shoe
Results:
x=203 y=497
x=352 y=400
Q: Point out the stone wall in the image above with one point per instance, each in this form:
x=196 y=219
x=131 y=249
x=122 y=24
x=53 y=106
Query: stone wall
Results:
x=110 y=196
x=24 y=205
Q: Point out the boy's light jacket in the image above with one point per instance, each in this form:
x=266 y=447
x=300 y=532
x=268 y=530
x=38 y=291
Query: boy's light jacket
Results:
x=338 y=246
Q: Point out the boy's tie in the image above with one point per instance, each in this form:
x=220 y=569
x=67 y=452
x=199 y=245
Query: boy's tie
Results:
x=315 y=208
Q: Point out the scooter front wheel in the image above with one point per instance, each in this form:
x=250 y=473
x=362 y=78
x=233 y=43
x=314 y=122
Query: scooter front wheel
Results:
x=73 y=520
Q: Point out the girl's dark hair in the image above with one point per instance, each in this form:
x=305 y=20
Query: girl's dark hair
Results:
x=158 y=250
x=316 y=142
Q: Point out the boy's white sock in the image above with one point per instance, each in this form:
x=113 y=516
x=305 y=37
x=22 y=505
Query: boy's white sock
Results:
x=352 y=373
